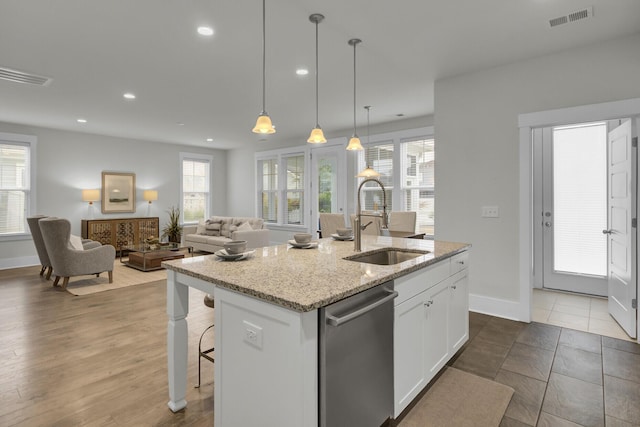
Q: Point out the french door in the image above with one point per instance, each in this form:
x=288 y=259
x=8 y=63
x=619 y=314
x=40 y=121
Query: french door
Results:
x=621 y=229
x=328 y=181
x=574 y=208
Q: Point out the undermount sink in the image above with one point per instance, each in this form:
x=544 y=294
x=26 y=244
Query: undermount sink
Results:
x=388 y=256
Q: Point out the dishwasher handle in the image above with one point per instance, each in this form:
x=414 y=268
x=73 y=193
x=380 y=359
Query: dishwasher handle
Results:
x=337 y=321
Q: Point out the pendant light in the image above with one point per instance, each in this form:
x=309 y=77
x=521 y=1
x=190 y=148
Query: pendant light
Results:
x=263 y=124
x=368 y=172
x=354 y=142
x=316 y=136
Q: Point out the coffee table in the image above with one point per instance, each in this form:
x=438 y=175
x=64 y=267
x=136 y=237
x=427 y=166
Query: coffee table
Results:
x=146 y=257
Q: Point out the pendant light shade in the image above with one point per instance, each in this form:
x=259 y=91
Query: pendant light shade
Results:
x=263 y=124
x=354 y=142
x=368 y=172
x=316 y=136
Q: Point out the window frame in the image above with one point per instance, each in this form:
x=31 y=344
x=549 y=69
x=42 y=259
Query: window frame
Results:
x=30 y=141
x=204 y=158
x=396 y=139
x=281 y=157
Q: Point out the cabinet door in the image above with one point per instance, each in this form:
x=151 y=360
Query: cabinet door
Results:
x=409 y=346
x=459 y=310
x=436 y=327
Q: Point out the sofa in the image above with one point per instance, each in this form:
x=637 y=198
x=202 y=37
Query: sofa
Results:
x=210 y=235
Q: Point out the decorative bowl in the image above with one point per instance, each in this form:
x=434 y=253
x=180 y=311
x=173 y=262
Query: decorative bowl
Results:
x=235 y=247
x=344 y=232
x=302 y=237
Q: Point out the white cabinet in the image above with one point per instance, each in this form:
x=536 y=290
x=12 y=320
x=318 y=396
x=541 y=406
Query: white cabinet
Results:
x=431 y=323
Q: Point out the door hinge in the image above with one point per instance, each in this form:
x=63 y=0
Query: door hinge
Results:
x=634 y=303
x=634 y=222
x=634 y=142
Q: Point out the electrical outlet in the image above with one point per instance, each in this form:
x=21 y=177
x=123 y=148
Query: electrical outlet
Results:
x=252 y=334
x=490 y=212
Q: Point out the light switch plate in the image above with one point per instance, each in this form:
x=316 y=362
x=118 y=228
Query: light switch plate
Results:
x=490 y=212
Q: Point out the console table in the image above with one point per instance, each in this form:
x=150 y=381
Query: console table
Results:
x=120 y=232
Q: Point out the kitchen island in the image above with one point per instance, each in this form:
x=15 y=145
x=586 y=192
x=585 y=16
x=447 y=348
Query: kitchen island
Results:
x=266 y=317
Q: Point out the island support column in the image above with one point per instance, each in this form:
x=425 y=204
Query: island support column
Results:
x=177 y=341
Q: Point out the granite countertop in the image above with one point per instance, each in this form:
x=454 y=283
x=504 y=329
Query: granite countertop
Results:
x=307 y=279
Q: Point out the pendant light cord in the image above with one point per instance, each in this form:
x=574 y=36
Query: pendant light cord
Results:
x=354 y=89
x=317 y=124
x=264 y=55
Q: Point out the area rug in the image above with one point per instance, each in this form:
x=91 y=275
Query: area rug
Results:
x=460 y=399
x=123 y=277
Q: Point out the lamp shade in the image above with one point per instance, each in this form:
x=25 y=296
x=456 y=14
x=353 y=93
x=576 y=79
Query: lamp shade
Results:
x=90 y=195
x=263 y=124
x=150 y=195
x=316 y=136
x=354 y=144
x=368 y=172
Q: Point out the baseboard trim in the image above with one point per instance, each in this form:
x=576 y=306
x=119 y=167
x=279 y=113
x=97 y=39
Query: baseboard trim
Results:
x=497 y=307
x=26 y=261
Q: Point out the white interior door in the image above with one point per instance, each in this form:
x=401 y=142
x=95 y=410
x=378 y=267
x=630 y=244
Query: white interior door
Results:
x=621 y=230
x=574 y=208
x=328 y=181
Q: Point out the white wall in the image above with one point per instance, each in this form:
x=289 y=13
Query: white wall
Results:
x=68 y=162
x=476 y=132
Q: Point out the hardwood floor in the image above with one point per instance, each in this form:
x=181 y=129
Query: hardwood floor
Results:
x=100 y=360
x=94 y=360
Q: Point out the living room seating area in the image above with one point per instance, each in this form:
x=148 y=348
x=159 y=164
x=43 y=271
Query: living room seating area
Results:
x=210 y=235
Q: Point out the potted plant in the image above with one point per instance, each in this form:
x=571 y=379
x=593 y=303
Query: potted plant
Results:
x=173 y=229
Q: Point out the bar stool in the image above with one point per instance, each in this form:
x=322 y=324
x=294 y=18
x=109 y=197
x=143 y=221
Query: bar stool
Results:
x=208 y=301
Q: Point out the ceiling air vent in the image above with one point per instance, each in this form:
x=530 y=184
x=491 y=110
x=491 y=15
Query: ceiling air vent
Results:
x=22 y=77
x=572 y=17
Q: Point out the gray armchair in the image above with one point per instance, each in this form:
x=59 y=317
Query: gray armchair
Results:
x=39 y=243
x=68 y=262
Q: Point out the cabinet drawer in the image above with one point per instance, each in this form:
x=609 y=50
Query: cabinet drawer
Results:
x=459 y=262
x=413 y=283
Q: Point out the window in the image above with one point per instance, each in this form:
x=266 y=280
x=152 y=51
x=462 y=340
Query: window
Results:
x=269 y=189
x=281 y=182
x=405 y=161
x=295 y=190
x=418 y=158
x=16 y=196
x=380 y=158
x=196 y=178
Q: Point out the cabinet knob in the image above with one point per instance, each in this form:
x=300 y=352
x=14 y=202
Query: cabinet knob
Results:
x=453 y=286
x=461 y=262
x=428 y=303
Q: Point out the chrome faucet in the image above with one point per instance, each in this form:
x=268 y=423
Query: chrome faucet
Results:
x=357 y=228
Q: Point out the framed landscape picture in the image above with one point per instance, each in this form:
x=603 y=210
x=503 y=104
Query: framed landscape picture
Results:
x=118 y=192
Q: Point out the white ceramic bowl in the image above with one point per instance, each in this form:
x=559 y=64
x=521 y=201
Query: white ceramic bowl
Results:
x=302 y=237
x=235 y=247
x=344 y=232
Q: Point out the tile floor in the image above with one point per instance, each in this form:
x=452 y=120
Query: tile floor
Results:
x=583 y=313
x=561 y=376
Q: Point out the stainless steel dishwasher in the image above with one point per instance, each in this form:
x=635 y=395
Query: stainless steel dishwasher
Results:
x=356 y=359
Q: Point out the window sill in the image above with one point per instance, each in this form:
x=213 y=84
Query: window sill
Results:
x=287 y=227
x=15 y=237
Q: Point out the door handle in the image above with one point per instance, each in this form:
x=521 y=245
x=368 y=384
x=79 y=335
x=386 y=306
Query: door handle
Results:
x=337 y=321
x=607 y=231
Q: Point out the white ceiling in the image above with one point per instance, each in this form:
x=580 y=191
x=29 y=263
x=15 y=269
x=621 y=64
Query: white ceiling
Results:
x=96 y=50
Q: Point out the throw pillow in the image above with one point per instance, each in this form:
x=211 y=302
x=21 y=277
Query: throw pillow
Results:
x=76 y=242
x=200 y=227
x=245 y=226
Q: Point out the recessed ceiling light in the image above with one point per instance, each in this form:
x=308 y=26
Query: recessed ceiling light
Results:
x=180 y=123
x=302 y=71
x=209 y=139
x=82 y=120
x=205 y=31
x=129 y=95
